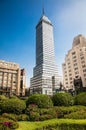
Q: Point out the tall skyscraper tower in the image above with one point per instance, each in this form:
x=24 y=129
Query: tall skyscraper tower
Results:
x=45 y=75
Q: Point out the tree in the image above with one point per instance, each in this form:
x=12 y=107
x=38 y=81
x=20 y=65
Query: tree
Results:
x=62 y=99
x=41 y=100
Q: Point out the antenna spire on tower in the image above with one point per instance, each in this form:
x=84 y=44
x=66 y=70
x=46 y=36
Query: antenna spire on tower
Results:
x=43 y=7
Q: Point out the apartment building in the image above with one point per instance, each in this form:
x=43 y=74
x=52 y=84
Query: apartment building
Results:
x=74 y=67
x=10 y=79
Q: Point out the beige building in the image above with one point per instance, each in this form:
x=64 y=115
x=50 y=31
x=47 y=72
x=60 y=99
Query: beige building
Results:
x=74 y=67
x=10 y=79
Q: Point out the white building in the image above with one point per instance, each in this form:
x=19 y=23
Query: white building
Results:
x=75 y=63
x=45 y=75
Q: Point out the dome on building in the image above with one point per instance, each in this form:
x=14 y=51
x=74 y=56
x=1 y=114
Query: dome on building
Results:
x=80 y=39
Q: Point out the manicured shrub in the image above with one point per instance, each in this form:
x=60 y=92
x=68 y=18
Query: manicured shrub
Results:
x=14 y=117
x=64 y=126
x=41 y=100
x=62 y=99
x=33 y=108
x=62 y=111
x=34 y=116
x=36 y=113
x=46 y=114
x=76 y=115
x=80 y=99
x=14 y=125
x=22 y=117
x=6 y=124
x=15 y=106
x=47 y=111
x=45 y=117
x=33 y=112
x=2 y=97
x=10 y=116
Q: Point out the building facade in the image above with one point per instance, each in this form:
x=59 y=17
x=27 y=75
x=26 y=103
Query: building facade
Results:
x=45 y=75
x=22 y=82
x=74 y=68
x=10 y=79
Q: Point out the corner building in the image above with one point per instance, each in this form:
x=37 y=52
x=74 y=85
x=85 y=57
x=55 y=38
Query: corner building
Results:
x=74 y=67
x=45 y=75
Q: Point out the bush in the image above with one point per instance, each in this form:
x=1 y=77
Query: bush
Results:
x=41 y=100
x=2 y=97
x=9 y=116
x=47 y=111
x=62 y=99
x=62 y=111
x=22 y=117
x=36 y=113
x=76 y=115
x=46 y=114
x=80 y=99
x=4 y=127
x=64 y=124
x=34 y=116
x=45 y=117
x=6 y=124
x=15 y=106
x=33 y=112
x=32 y=107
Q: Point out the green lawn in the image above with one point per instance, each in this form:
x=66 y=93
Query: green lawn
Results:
x=33 y=125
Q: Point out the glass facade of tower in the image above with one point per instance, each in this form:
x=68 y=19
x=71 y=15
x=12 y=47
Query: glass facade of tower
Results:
x=45 y=75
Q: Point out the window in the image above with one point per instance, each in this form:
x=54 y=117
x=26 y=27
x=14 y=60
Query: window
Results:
x=84 y=70
x=76 y=68
x=71 y=78
x=84 y=75
x=82 y=58
x=71 y=82
x=83 y=66
x=75 y=64
x=73 y=53
x=69 y=70
x=74 y=60
x=77 y=72
x=70 y=74
x=74 y=57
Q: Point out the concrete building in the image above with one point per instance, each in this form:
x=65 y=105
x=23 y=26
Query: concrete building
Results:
x=22 y=82
x=45 y=78
x=74 y=68
x=10 y=79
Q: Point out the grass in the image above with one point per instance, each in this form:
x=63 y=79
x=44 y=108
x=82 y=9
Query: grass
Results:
x=33 y=125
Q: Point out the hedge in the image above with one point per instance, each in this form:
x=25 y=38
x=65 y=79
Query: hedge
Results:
x=54 y=124
x=15 y=106
x=62 y=99
x=80 y=99
x=41 y=100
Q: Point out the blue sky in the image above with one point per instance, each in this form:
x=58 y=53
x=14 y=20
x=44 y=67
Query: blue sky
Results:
x=18 y=19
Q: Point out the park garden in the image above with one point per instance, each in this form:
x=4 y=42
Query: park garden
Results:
x=62 y=111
